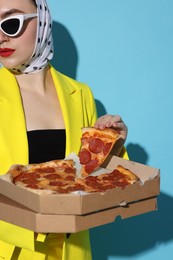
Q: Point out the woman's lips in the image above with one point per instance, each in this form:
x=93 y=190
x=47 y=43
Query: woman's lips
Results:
x=6 y=52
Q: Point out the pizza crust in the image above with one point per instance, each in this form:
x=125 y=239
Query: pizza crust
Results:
x=107 y=131
x=130 y=175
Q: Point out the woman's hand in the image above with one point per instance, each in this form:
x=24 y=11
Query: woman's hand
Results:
x=115 y=122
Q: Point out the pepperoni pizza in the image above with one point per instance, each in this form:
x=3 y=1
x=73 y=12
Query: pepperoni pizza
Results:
x=54 y=176
x=59 y=176
x=118 y=178
x=96 y=145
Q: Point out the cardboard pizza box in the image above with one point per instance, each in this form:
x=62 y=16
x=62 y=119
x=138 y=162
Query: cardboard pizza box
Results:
x=81 y=204
x=15 y=213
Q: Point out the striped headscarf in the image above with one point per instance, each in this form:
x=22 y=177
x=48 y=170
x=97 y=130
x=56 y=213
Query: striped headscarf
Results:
x=43 y=51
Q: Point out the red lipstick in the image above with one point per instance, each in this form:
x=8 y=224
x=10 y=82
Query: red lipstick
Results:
x=6 y=52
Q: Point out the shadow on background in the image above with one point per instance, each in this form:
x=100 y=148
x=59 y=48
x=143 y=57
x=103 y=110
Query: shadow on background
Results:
x=100 y=108
x=135 y=235
x=137 y=153
x=126 y=237
x=65 y=57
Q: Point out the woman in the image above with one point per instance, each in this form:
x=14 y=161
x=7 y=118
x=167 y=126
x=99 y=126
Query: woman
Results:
x=41 y=114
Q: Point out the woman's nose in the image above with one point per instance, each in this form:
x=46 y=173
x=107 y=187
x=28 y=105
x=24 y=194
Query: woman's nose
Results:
x=3 y=37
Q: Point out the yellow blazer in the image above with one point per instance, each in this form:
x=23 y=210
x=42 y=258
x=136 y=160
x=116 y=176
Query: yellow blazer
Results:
x=79 y=110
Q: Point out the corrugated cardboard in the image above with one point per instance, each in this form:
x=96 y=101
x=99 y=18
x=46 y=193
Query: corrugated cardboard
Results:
x=15 y=213
x=77 y=204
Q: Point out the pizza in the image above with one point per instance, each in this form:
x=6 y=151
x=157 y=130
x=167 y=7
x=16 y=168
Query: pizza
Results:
x=96 y=145
x=55 y=176
x=118 y=178
x=59 y=176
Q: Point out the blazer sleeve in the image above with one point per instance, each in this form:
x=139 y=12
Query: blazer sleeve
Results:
x=90 y=111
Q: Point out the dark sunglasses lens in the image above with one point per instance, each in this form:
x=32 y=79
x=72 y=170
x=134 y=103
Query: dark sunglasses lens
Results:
x=11 y=26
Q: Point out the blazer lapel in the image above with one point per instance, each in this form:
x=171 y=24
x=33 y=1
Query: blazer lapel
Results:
x=70 y=99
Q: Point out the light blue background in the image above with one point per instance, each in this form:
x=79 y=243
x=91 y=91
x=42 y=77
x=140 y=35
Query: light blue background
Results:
x=123 y=49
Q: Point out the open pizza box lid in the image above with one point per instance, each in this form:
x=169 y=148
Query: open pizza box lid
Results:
x=80 y=204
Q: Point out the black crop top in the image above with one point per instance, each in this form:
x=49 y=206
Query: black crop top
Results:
x=46 y=145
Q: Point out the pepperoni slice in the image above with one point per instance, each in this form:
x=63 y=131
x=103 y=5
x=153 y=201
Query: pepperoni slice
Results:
x=57 y=183
x=84 y=156
x=116 y=174
x=33 y=186
x=96 y=145
x=32 y=175
x=20 y=177
x=30 y=181
x=108 y=186
x=91 y=178
x=107 y=148
x=70 y=178
x=52 y=176
x=79 y=187
x=26 y=175
x=91 y=166
x=76 y=187
x=107 y=178
x=45 y=170
x=70 y=170
x=93 y=184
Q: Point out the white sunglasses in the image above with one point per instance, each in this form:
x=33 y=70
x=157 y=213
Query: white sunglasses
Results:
x=12 y=25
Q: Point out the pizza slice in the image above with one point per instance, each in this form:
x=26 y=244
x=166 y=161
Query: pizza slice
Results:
x=118 y=178
x=53 y=175
x=96 y=145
